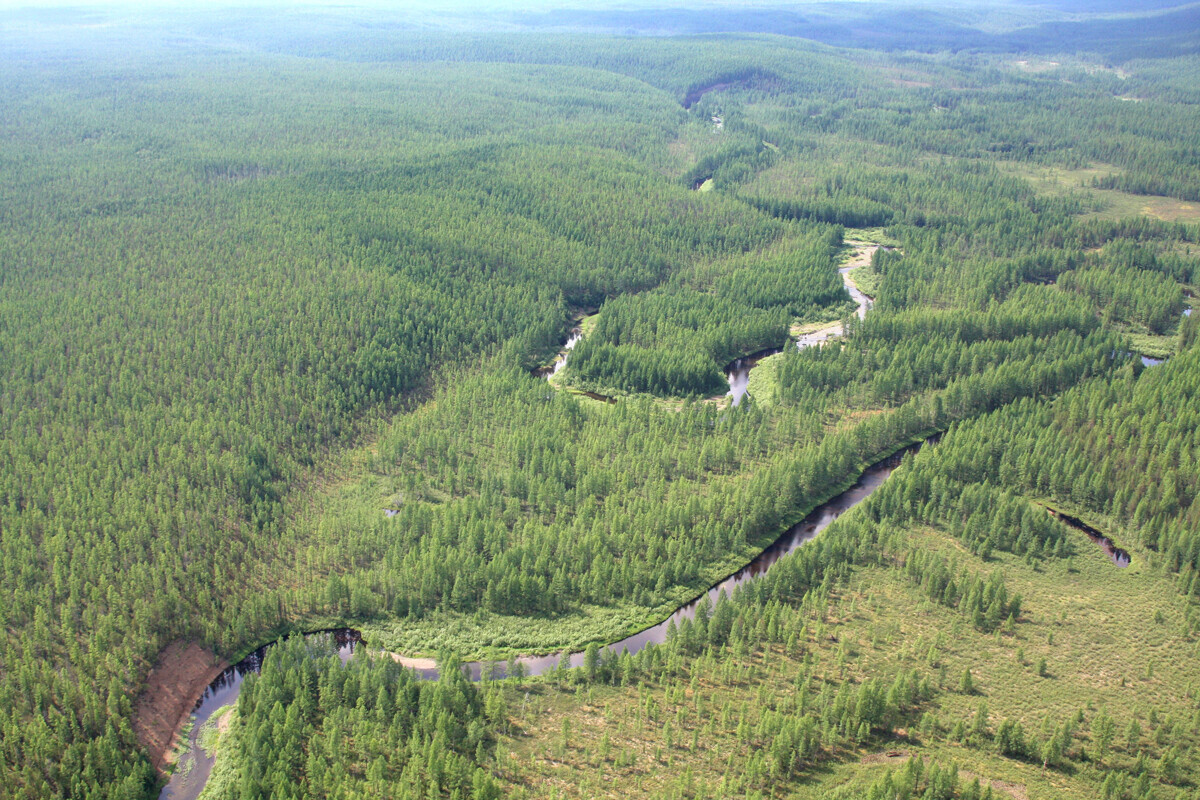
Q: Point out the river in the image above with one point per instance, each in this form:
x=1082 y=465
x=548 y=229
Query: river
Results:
x=194 y=767
x=738 y=373
x=799 y=534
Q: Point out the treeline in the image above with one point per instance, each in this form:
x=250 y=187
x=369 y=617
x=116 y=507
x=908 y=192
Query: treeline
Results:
x=198 y=308
x=928 y=781
x=733 y=163
x=846 y=210
x=878 y=368
x=985 y=603
x=218 y=274
x=1140 y=297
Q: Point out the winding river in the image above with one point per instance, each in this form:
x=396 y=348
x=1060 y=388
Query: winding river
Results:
x=194 y=769
x=738 y=373
x=794 y=537
x=195 y=766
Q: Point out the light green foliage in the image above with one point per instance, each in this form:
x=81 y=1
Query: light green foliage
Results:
x=251 y=295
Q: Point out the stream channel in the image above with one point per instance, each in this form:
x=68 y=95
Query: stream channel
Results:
x=193 y=769
x=738 y=373
x=1119 y=557
x=195 y=766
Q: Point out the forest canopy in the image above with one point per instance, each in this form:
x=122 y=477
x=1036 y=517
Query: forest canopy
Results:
x=262 y=281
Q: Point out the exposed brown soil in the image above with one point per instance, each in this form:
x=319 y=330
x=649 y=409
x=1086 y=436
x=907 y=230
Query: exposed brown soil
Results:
x=180 y=676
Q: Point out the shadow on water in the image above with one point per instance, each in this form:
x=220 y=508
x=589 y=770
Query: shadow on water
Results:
x=1119 y=557
x=603 y=398
x=794 y=537
x=189 y=781
x=194 y=769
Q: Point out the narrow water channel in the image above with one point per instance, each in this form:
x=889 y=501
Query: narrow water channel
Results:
x=1119 y=557
x=565 y=353
x=738 y=373
x=193 y=769
x=794 y=537
x=863 y=302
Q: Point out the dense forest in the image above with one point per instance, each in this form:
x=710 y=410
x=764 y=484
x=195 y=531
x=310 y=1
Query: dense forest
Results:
x=263 y=282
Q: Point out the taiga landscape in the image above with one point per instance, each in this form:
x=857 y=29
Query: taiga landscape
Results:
x=669 y=400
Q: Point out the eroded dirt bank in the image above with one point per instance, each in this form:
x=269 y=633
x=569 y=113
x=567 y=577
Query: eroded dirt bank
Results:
x=181 y=674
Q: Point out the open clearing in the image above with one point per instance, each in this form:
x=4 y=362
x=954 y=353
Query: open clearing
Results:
x=1113 y=204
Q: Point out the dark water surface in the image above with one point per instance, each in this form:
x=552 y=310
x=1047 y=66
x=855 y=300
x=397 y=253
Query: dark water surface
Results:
x=192 y=771
x=797 y=535
x=188 y=782
x=1119 y=557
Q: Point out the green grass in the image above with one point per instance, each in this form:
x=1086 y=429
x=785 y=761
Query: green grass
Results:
x=210 y=734
x=1154 y=346
x=873 y=235
x=486 y=636
x=866 y=279
x=1094 y=624
x=764 y=381
x=180 y=760
x=224 y=776
x=1106 y=203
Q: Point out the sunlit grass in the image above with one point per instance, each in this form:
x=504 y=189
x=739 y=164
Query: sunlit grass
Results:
x=1093 y=624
